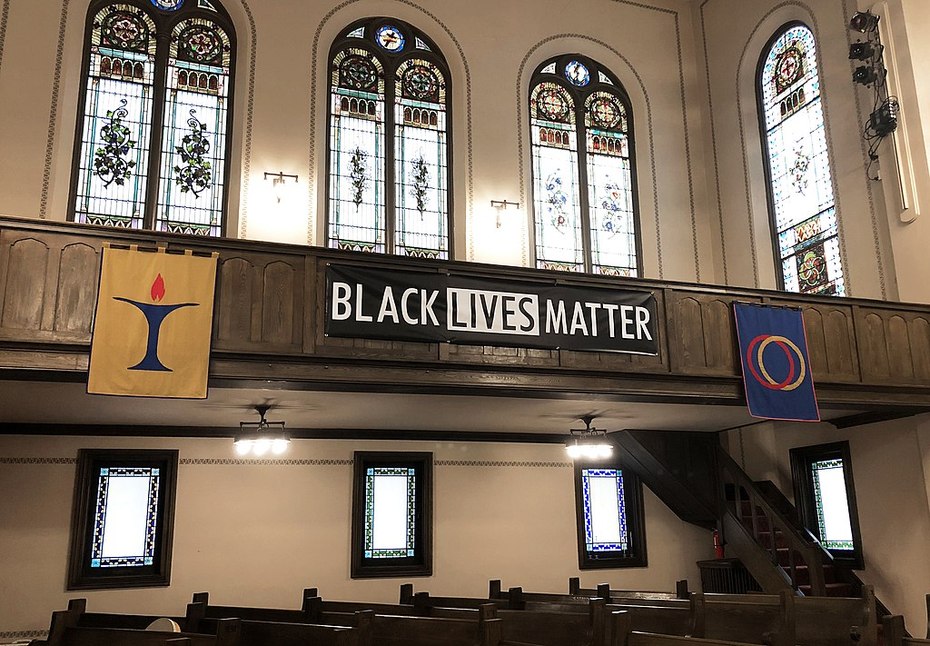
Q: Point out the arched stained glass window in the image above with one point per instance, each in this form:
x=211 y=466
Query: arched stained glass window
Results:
x=153 y=132
x=388 y=159
x=800 y=182
x=583 y=195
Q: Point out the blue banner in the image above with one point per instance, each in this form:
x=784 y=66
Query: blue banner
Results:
x=776 y=368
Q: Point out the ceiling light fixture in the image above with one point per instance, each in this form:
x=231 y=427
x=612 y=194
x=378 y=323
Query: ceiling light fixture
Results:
x=588 y=443
x=261 y=437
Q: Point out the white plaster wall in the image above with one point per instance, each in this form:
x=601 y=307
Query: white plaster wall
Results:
x=259 y=534
x=890 y=461
x=491 y=47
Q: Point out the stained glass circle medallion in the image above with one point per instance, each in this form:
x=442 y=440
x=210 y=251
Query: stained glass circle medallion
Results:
x=358 y=72
x=577 y=73
x=390 y=38
x=168 y=5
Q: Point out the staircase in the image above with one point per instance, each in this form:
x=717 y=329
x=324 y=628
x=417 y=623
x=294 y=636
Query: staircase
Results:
x=703 y=485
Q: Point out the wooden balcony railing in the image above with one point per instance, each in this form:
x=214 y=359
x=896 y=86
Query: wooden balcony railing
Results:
x=268 y=324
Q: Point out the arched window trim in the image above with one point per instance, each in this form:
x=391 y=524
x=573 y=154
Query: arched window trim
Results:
x=758 y=82
x=579 y=98
x=390 y=63
x=165 y=22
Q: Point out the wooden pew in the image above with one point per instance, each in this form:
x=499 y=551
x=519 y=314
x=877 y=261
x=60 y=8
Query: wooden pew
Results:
x=622 y=634
x=604 y=591
x=753 y=619
x=317 y=618
x=67 y=629
x=895 y=634
x=665 y=619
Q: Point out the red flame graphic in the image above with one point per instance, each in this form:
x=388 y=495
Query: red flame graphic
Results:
x=158 y=289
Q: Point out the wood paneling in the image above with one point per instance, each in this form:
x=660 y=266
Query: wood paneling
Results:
x=270 y=303
x=831 y=341
x=701 y=333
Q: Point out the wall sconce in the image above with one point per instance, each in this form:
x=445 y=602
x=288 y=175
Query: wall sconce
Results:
x=502 y=205
x=262 y=436
x=278 y=181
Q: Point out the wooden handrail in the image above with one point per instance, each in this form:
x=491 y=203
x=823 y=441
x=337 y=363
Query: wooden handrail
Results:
x=804 y=544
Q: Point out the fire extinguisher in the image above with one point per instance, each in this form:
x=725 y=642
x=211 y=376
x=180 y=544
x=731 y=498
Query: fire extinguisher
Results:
x=718 y=545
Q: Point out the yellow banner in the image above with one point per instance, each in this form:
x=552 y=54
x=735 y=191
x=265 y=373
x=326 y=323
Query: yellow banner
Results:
x=153 y=325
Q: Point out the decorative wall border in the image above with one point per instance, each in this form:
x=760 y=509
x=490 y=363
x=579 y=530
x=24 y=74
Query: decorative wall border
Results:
x=713 y=141
x=276 y=462
x=4 y=17
x=249 y=120
x=502 y=463
x=313 y=174
x=38 y=460
x=53 y=111
x=303 y=462
x=524 y=192
x=24 y=634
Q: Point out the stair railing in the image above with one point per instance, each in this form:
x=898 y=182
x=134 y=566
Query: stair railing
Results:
x=799 y=544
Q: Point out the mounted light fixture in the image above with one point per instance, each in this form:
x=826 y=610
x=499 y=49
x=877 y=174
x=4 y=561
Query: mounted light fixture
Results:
x=278 y=182
x=502 y=205
x=588 y=443
x=261 y=437
x=863 y=21
x=865 y=75
x=860 y=51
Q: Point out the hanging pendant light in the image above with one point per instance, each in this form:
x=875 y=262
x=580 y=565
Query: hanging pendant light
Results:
x=588 y=443
x=261 y=437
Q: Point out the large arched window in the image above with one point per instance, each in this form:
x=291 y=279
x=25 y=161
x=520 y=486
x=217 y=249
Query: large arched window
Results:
x=800 y=181
x=154 y=121
x=388 y=154
x=584 y=184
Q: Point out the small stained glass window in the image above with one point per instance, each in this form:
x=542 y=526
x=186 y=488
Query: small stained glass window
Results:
x=611 y=530
x=123 y=509
x=832 y=504
x=584 y=200
x=800 y=180
x=825 y=496
x=391 y=514
x=390 y=521
x=125 y=517
x=604 y=510
x=389 y=141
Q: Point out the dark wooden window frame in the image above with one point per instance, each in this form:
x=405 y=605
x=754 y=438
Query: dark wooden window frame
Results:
x=579 y=95
x=421 y=564
x=165 y=21
x=389 y=63
x=801 y=460
x=635 y=520
x=89 y=461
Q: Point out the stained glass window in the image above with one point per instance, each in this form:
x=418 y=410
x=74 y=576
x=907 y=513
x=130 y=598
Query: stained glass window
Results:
x=125 y=517
x=611 y=531
x=123 y=509
x=825 y=496
x=832 y=504
x=390 y=521
x=154 y=124
x=583 y=194
x=604 y=510
x=391 y=514
x=388 y=142
x=800 y=179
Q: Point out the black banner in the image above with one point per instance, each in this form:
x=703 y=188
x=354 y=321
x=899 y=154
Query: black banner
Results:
x=424 y=306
